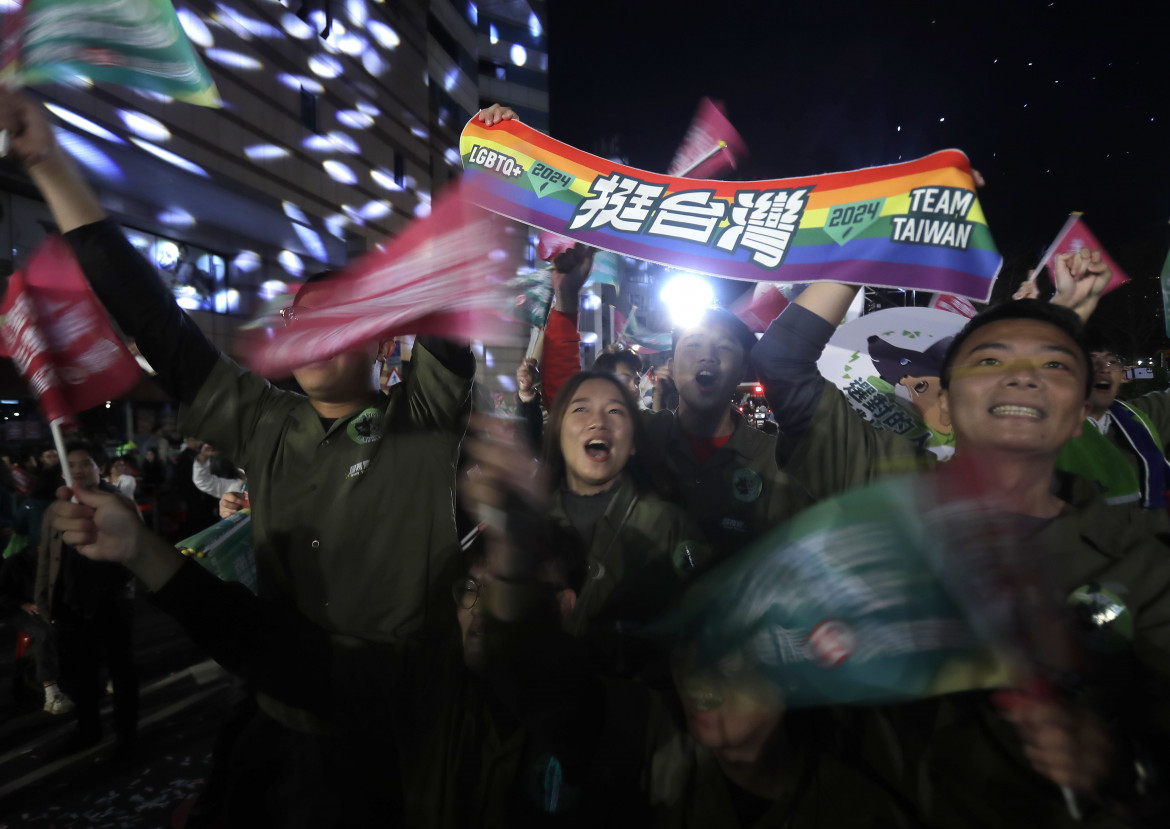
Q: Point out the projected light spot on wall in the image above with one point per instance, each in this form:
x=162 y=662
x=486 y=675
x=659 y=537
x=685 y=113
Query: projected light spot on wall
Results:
x=340 y=172
x=93 y=128
x=144 y=126
x=386 y=37
x=195 y=28
x=265 y=152
x=171 y=158
x=236 y=60
x=291 y=262
x=325 y=66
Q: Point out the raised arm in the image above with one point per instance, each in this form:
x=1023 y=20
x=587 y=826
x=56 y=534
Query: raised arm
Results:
x=786 y=359
x=561 y=358
x=122 y=279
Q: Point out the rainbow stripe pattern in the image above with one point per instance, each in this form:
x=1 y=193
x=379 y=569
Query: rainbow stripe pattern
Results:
x=916 y=224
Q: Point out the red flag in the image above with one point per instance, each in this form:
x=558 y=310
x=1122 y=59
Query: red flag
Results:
x=761 y=306
x=954 y=304
x=441 y=276
x=1076 y=235
x=550 y=245
x=711 y=145
x=57 y=334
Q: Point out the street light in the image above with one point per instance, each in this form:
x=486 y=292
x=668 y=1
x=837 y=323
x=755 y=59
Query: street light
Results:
x=686 y=297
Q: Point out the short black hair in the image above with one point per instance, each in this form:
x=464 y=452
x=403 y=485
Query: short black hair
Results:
x=81 y=445
x=719 y=318
x=313 y=280
x=611 y=360
x=1024 y=309
x=1101 y=343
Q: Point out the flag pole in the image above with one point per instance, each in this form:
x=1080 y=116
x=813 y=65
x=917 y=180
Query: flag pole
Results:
x=722 y=145
x=59 y=442
x=1072 y=218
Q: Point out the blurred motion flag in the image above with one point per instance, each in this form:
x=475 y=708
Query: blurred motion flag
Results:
x=711 y=145
x=954 y=304
x=637 y=337
x=532 y=294
x=1074 y=236
x=605 y=269
x=136 y=43
x=225 y=549
x=1166 y=293
x=447 y=274
x=57 y=335
x=760 y=306
x=886 y=593
x=549 y=245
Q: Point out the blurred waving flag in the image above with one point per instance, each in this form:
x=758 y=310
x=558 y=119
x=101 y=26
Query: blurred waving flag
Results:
x=139 y=44
x=711 y=146
x=531 y=291
x=447 y=274
x=638 y=337
x=890 y=592
x=57 y=334
x=761 y=305
x=1074 y=236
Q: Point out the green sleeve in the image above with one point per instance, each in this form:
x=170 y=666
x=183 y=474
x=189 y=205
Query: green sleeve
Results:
x=229 y=407
x=432 y=396
x=841 y=451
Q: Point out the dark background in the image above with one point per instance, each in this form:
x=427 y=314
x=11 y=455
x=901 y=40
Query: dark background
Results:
x=1061 y=105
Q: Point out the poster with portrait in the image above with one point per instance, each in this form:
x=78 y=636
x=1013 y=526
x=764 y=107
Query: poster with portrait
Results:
x=888 y=365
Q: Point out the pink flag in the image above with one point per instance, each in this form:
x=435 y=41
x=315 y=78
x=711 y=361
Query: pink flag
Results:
x=954 y=304
x=57 y=335
x=711 y=146
x=1076 y=235
x=441 y=276
x=550 y=245
x=761 y=306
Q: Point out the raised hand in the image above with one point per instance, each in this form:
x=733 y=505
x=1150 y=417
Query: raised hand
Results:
x=1080 y=279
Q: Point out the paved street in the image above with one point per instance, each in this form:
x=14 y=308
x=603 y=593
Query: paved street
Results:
x=184 y=699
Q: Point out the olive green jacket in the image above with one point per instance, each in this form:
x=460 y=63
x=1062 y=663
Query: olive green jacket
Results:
x=738 y=494
x=356 y=522
x=642 y=551
x=963 y=749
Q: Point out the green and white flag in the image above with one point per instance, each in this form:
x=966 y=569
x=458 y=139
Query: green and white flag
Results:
x=529 y=296
x=1166 y=293
x=137 y=43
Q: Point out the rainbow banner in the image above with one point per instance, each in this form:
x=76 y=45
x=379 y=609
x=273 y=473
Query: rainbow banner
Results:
x=912 y=225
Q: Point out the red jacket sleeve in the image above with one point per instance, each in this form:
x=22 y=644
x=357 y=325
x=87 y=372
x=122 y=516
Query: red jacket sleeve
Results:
x=562 y=354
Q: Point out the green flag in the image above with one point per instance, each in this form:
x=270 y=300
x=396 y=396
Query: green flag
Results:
x=641 y=338
x=605 y=269
x=137 y=43
x=1166 y=293
x=529 y=296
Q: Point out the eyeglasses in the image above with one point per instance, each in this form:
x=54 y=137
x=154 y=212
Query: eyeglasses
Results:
x=465 y=592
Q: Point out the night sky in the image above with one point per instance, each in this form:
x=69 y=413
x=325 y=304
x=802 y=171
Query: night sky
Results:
x=1061 y=105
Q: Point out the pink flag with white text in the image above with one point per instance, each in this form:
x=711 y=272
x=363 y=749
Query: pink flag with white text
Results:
x=444 y=275
x=711 y=146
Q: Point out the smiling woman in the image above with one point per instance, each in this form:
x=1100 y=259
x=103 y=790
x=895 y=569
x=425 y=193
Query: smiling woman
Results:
x=603 y=494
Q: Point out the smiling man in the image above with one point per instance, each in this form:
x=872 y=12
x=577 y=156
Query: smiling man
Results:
x=1016 y=386
x=1120 y=447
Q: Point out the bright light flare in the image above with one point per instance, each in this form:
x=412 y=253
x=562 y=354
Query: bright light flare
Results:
x=686 y=297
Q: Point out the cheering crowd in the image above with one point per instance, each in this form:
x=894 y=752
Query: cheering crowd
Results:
x=459 y=619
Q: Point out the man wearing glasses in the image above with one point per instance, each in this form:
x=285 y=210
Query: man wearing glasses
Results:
x=1120 y=446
